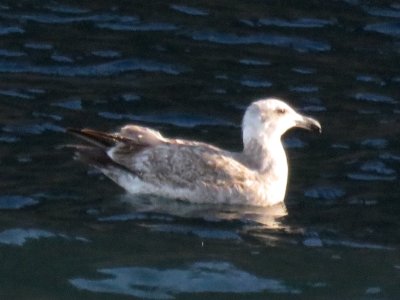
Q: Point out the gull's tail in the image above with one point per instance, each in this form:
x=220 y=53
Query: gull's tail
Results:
x=95 y=154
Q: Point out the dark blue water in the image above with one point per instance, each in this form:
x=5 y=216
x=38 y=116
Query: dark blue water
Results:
x=189 y=68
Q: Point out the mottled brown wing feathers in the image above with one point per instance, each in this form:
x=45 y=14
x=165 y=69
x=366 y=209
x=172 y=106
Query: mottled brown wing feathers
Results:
x=146 y=153
x=183 y=165
x=126 y=143
x=131 y=136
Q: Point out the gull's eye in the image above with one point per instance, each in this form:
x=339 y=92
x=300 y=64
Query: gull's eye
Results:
x=280 y=111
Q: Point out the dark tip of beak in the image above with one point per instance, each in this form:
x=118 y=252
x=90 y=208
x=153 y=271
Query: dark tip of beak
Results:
x=316 y=128
x=310 y=124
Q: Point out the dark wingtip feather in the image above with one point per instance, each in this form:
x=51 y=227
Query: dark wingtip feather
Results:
x=97 y=138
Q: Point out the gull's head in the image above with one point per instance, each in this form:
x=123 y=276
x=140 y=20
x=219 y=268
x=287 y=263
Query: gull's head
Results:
x=271 y=118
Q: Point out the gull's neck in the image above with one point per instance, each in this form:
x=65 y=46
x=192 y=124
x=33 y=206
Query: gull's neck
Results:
x=266 y=155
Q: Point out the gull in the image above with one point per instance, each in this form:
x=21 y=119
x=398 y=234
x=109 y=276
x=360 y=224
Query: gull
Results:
x=142 y=161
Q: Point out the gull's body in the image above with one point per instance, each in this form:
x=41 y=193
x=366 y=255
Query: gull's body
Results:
x=142 y=161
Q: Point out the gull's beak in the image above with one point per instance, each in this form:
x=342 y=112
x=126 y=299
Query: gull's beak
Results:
x=309 y=124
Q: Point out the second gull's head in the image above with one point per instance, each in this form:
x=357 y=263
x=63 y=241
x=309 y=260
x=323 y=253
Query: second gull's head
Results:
x=268 y=119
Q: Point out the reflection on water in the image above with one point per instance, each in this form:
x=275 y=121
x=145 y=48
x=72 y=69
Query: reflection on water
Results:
x=19 y=236
x=201 y=277
x=189 y=69
x=268 y=216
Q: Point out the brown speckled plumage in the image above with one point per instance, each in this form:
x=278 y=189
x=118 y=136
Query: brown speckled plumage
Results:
x=142 y=161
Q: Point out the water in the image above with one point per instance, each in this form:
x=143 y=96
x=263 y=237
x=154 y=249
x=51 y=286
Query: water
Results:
x=189 y=69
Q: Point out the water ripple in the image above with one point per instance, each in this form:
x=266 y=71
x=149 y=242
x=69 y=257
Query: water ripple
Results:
x=11 y=53
x=47 y=116
x=208 y=233
x=376 y=143
x=31 y=128
x=298 y=43
x=66 y=9
x=19 y=236
x=57 y=19
x=254 y=62
x=383 y=12
x=373 y=290
x=313 y=239
x=304 y=89
x=188 y=10
x=135 y=217
x=181 y=120
x=298 y=23
x=61 y=58
x=370 y=78
x=123 y=26
x=255 y=83
x=106 y=53
x=391 y=29
x=130 y=97
x=38 y=46
x=326 y=193
x=199 y=277
x=5 y=30
x=313 y=108
x=374 y=97
x=370 y=177
x=303 y=70
x=390 y=156
x=16 y=94
x=356 y=245
x=378 y=167
x=16 y=202
x=74 y=103
x=9 y=139
x=99 y=70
